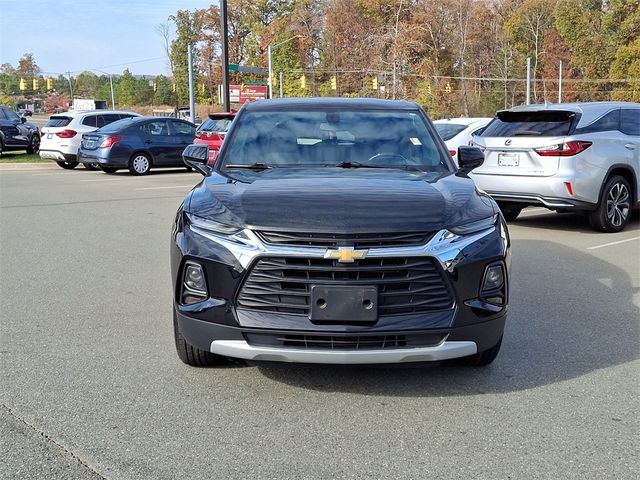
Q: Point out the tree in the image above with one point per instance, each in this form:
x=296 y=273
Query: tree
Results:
x=27 y=66
x=126 y=89
x=626 y=65
x=186 y=33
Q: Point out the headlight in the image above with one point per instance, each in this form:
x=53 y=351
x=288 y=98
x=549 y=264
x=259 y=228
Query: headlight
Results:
x=211 y=226
x=474 y=227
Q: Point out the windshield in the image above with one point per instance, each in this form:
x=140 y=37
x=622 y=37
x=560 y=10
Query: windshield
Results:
x=350 y=139
x=117 y=125
x=218 y=125
x=546 y=123
x=449 y=130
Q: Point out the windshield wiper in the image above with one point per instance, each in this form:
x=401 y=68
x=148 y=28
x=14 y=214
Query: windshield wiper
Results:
x=253 y=166
x=356 y=165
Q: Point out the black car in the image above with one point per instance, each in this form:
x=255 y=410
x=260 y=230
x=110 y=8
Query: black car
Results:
x=338 y=231
x=138 y=143
x=16 y=133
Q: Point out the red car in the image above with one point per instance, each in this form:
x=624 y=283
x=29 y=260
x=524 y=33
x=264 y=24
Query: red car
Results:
x=212 y=132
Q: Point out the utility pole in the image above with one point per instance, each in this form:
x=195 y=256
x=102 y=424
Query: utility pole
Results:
x=225 y=56
x=70 y=86
x=528 y=80
x=280 y=84
x=560 y=83
x=192 y=103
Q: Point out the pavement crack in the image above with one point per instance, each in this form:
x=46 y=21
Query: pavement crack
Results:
x=52 y=440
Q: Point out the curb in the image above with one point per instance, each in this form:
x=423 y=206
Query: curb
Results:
x=27 y=166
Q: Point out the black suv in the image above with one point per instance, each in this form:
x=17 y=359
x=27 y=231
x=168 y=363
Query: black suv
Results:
x=16 y=133
x=338 y=231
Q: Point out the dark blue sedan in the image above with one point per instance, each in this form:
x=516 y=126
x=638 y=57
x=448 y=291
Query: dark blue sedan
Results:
x=138 y=144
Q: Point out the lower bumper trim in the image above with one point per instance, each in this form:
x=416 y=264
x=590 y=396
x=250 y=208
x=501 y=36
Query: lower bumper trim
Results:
x=444 y=351
x=532 y=199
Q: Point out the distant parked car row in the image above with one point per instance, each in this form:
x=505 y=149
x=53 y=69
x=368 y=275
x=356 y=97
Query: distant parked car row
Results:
x=579 y=157
x=112 y=140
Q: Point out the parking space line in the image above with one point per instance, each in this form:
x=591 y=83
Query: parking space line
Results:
x=610 y=244
x=168 y=186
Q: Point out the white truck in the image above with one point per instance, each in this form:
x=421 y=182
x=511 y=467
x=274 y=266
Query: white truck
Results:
x=88 y=104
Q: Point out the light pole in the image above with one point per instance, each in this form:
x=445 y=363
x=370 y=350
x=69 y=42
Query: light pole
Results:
x=113 y=98
x=269 y=49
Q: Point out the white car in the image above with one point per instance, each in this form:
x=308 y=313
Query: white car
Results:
x=62 y=134
x=458 y=132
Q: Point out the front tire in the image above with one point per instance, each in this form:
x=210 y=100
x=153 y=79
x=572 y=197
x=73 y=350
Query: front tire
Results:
x=34 y=145
x=614 y=209
x=140 y=164
x=67 y=165
x=481 y=359
x=191 y=355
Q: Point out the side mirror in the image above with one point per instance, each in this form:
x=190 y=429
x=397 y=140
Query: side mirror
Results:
x=469 y=158
x=197 y=156
x=23 y=119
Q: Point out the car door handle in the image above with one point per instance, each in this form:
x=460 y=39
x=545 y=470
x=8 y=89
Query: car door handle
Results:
x=631 y=146
x=148 y=142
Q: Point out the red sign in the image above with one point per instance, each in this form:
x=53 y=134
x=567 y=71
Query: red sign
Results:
x=247 y=93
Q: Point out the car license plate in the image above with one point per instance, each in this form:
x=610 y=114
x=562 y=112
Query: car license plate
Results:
x=344 y=304
x=49 y=135
x=90 y=144
x=508 y=159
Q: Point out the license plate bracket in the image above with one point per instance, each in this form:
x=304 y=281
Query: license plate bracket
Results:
x=344 y=303
x=508 y=159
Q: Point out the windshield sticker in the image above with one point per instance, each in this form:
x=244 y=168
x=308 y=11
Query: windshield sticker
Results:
x=415 y=141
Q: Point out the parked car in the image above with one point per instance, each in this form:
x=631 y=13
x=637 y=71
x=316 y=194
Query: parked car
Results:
x=212 y=132
x=138 y=143
x=16 y=133
x=25 y=112
x=337 y=231
x=459 y=131
x=62 y=134
x=580 y=157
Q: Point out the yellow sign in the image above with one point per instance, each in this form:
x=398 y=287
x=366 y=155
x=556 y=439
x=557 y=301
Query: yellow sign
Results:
x=346 y=254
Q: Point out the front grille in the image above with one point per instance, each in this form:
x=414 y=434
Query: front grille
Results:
x=405 y=285
x=344 y=342
x=359 y=240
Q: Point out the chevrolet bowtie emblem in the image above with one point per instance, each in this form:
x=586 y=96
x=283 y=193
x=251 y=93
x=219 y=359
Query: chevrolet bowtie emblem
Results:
x=346 y=254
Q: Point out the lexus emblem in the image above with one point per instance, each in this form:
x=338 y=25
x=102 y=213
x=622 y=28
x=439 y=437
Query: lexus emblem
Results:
x=507 y=141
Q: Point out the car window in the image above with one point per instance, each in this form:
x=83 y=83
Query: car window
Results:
x=183 y=128
x=108 y=118
x=478 y=132
x=630 y=121
x=90 y=121
x=2 y=115
x=116 y=126
x=124 y=115
x=449 y=130
x=544 y=123
x=288 y=138
x=218 y=125
x=58 y=121
x=155 y=129
x=607 y=123
x=12 y=116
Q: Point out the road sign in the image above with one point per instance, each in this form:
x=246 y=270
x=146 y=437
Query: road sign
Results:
x=234 y=67
x=247 y=93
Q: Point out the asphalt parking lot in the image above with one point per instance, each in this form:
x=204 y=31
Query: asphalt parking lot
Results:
x=91 y=386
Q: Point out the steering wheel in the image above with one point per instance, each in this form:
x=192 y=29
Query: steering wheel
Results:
x=392 y=158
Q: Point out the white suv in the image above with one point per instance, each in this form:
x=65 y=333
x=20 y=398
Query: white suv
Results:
x=582 y=157
x=62 y=134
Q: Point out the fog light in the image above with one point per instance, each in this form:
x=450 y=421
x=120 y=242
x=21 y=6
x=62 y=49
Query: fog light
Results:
x=493 y=278
x=194 y=285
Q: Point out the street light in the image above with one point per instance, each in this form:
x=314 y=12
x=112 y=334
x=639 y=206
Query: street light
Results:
x=113 y=98
x=269 y=49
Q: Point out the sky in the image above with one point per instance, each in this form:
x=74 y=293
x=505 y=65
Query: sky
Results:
x=107 y=35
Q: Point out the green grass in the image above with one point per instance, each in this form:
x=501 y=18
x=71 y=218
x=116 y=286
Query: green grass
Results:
x=22 y=157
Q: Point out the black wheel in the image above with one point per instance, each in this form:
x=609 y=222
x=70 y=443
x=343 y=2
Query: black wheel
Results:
x=510 y=213
x=191 y=355
x=108 y=169
x=91 y=166
x=68 y=165
x=34 y=145
x=614 y=208
x=140 y=164
x=481 y=359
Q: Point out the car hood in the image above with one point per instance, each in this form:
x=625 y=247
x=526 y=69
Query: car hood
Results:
x=339 y=200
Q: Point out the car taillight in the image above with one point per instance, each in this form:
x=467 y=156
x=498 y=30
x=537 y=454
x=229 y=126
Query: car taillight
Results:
x=67 y=134
x=563 y=149
x=109 y=141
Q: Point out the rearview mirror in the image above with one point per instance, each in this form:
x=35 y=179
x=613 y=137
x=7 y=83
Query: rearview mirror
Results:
x=197 y=156
x=469 y=158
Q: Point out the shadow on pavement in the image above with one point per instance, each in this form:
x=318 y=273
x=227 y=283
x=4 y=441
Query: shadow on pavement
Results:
x=570 y=222
x=570 y=314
